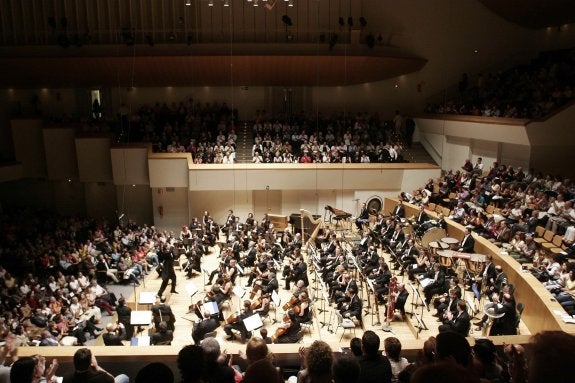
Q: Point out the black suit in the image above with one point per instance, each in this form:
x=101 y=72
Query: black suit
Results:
x=400 y=301
x=506 y=324
x=436 y=287
x=399 y=211
x=162 y=338
x=460 y=324
x=113 y=339
x=467 y=245
x=271 y=286
x=353 y=308
x=168 y=272
x=204 y=327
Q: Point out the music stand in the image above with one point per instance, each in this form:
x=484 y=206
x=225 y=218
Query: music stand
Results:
x=146 y=298
x=140 y=318
x=417 y=298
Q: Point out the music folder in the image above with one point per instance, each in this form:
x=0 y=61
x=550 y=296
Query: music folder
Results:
x=211 y=307
x=253 y=322
x=426 y=282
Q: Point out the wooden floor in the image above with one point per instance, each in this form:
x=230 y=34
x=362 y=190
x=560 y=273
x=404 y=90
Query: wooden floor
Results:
x=324 y=323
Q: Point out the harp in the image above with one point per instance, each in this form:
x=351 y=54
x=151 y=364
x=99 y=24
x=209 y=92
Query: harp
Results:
x=308 y=219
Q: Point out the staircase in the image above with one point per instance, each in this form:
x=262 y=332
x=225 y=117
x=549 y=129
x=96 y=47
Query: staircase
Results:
x=245 y=143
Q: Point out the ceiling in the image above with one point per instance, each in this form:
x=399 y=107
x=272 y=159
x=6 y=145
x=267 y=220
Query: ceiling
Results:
x=60 y=43
x=534 y=14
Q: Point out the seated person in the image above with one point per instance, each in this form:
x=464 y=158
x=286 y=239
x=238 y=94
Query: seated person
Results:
x=288 y=331
x=162 y=337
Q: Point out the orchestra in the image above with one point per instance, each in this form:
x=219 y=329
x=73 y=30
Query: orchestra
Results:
x=356 y=275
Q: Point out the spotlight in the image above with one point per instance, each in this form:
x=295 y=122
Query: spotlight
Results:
x=226 y=3
x=362 y=22
x=188 y=2
x=290 y=4
x=211 y=3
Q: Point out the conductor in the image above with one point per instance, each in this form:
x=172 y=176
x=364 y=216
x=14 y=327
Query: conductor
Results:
x=166 y=257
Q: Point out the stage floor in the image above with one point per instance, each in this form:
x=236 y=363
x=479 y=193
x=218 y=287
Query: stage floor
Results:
x=324 y=323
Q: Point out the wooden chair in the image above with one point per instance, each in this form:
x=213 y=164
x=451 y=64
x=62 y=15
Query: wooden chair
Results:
x=548 y=240
x=557 y=244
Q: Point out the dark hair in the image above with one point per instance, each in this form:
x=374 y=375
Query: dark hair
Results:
x=355 y=346
x=22 y=370
x=392 y=348
x=484 y=350
x=191 y=363
x=82 y=359
x=345 y=369
x=370 y=343
x=155 y=372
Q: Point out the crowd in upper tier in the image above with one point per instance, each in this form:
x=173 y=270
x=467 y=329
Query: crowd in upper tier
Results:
x=525 y=91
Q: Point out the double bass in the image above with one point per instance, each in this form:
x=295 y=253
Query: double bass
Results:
x=391 y=298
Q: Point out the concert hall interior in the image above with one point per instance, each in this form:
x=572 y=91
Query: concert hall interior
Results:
x=270 y=161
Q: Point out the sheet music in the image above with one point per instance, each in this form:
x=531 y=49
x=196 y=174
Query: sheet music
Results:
x=239 y=291
x=191 y=289
x=253 y=322
x=240 y=269
x=426 y=282
x=276 y=298
x=211 y=307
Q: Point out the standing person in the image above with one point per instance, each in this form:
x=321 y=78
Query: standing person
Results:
x=87 y=370
x=375 y=368
x=167 y=258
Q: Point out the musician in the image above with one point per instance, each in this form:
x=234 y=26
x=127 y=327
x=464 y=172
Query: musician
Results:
x=459 y=322
x=230 y=219
x=227 y=266
x=223 y=290
x=263 y=265
x=379 y=223
x=207 y=325
x=438 y=284
x=271 y=284
x=299 y=288
x=262 y=305
x=304 y=314
x=115 y=334
x=238 y=324
x=166 y=257
x=397 y=237
x=409 y=256
x=486 y=277
x=365 y=241
x=380 y=279
x=504 y=325
x=341 y=286
x=500 y=280
x=399 y=210
x=296 y=272
x=161 y=311
x=422 y=218
x=363 y=217
x=447 y=302
x=163 y=335
x=353 y=307
x=185 y=234
x=400 y=296
x=423 y=265
x=250 y=222
x=288 y=331
x=370 y=261
x=467 y=244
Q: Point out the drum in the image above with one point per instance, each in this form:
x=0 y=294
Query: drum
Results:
x=433 y=234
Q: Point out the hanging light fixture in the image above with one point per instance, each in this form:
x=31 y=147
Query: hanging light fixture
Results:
x=188 y=2
x=211 y=3
x=256 y=3
x=226 y=3
x=290 y=3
